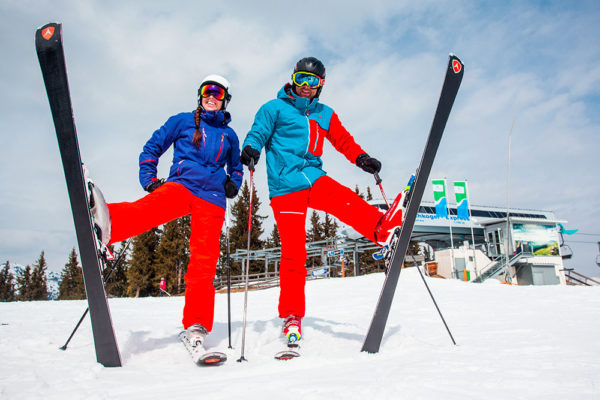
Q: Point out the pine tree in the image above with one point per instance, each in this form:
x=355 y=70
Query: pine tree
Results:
x=274 y=240
x=116 y=285
x=315 y=232
x=330 y=227
x=173 y=254
x=39 y=280
x=7 y=286
x=71 y=284
x=238 y=234
x=369 y=194
x=358 y=192
x=24 y=284
x=141 y=273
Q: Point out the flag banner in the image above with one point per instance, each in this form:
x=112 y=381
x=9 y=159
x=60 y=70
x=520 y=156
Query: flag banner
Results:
x=439 y=195
x=462 y=204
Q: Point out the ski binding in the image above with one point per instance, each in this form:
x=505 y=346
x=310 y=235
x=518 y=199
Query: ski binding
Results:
x=212 y=358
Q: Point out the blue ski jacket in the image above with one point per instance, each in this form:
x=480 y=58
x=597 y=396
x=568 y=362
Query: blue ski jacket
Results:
x=200 y=169
x=291 y=129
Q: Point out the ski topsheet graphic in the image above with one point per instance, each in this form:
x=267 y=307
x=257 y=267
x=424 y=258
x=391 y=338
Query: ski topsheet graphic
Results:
x=454 y=74
x=48 y=43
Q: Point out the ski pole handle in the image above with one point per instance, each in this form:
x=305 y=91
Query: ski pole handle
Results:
x=378 y=182
x=377 y=178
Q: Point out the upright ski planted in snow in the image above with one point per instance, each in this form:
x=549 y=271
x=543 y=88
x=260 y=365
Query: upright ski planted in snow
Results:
x=48 y=43
x=454 y=74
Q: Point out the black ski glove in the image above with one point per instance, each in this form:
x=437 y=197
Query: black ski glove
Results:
x=249 y=154
x=151 y=187
x=368 y=163
x=231 y=190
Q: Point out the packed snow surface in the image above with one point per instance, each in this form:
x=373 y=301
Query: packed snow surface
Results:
x=535 y=342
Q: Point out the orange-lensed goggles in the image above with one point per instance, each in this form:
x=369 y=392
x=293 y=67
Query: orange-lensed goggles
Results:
x=213 y=90
x=309 y=79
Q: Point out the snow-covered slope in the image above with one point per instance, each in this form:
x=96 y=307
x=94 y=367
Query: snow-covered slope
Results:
x=513 y=343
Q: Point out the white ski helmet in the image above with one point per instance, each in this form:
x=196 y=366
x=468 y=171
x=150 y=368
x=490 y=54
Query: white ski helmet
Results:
x=219 y=81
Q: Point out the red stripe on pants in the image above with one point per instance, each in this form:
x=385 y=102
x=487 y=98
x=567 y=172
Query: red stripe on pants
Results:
x=290 y=215
x=171 y=201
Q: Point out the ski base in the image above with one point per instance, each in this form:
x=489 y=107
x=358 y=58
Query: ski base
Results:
x=49 y=48
x=452 y=80
x=211 y=358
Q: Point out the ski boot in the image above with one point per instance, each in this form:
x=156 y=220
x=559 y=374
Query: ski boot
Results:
x=195 y=335
x=292 y=330
x=391 y=220
x=98 y=209
x=388 y=228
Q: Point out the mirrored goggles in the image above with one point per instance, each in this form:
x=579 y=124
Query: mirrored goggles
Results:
x=213 y=90
x=307 y=79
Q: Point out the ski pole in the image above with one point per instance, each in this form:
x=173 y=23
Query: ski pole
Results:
x=228 y=262
x=122 y=252
x=378 y=182
x=251 y=168
x=433 y=299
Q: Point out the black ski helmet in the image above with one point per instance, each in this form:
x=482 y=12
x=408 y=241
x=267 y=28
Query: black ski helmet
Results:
x=311 y=64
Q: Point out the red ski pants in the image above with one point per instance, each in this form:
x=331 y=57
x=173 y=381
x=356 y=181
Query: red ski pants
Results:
x=290 y=215
x=171 y=201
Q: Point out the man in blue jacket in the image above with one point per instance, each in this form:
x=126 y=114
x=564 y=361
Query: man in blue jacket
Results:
x=292 y=129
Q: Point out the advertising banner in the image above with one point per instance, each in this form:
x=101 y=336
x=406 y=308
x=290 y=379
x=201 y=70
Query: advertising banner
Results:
x=439 y=196
x=462 y=203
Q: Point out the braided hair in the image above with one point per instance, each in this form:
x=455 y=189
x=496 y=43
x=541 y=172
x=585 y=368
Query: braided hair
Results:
x=197 y=134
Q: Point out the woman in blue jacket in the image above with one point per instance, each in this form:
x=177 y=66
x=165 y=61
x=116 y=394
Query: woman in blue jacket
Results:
x=204 y=145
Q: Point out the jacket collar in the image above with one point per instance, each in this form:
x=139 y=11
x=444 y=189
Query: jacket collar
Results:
x=215 y=118
x=301 y=103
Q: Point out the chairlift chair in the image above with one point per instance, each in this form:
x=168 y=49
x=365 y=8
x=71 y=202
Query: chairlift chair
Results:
x=565 y=250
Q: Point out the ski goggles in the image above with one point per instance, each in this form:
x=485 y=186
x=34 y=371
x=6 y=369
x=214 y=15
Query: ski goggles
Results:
x=309 y=79
x=213 y=90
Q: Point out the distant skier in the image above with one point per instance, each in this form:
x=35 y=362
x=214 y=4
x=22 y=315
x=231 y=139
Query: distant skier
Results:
x=163 y=286
x=198 y=184
x=291 y=129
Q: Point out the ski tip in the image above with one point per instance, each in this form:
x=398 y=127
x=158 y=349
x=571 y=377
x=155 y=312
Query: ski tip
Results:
x=49 y=30
x=47 y=36
x=456 y=64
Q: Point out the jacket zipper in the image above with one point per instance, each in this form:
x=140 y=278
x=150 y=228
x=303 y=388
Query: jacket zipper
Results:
x=220 y=149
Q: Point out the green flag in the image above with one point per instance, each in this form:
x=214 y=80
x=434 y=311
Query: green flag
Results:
x=439 y=195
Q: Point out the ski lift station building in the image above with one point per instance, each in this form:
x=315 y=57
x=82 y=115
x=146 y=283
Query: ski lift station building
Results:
x=520 y=246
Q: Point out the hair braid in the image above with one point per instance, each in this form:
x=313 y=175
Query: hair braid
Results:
x=197 y=135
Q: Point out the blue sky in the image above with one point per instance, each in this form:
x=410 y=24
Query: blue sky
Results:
x=133 y=64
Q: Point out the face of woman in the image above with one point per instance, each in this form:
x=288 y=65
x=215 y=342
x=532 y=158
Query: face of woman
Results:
x=211 y=104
